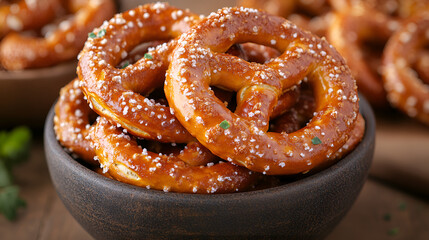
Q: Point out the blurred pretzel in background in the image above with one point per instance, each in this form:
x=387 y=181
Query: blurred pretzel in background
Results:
x=312 y=15
x=60 y=29
x=359 y=31
x=363 y=42
x=24 y=15
x=405 y=68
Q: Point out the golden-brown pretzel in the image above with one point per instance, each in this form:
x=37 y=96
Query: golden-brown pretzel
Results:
x=119 y=97
x=72 y=122
x=405 y=90
x=18 y=51
x=138 y=166
x=258 y=87
x=299 y=114
x=24 y=15
x=349 y=33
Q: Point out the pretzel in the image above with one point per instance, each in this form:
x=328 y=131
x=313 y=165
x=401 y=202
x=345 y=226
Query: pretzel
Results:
x=138 y=166
x=258 y=87
x=73 y=116
x=348 y=33
x=399 y=9
x=63 y=43
x=72 y=122
x=404 y=88
x=302 y=111
x=313 y=15
x=119 y=99
x=24 y=15
x=422 y=65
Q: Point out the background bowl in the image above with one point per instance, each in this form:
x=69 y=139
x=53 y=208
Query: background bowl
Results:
x=26 y=96
x=304 y=209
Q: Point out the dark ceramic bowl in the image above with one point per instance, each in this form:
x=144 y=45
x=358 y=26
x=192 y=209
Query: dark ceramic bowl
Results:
x=304 y=209
x=26 y=96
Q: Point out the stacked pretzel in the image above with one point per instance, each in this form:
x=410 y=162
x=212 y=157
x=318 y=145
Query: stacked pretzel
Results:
x=214 y=105
x=35 y=34
x=384 y=42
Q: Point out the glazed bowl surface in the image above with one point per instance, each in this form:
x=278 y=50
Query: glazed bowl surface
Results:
x=308 y=208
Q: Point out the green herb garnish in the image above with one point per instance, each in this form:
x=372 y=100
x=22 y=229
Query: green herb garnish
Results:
x=387 y=217
x=316 y=141
x=224 y=124
x=126 y=64
x=92 y=35
x=393 y=231
x=402 y=206
x=148 y=56
x=14 y=149
x=101 y=33
x=10 y=201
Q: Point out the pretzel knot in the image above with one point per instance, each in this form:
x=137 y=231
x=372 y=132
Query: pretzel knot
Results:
x=62 y=41
x=198 y=62
x=407 y=89
x=118 y=94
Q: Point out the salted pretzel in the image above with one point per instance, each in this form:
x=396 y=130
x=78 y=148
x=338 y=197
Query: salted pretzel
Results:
x=73 y=116
x=24 y=15
x=299 y=114
x=313 y=15
x=404 y=87
x=350 y=33
x=60 y=44
x=121 y=97
x=73 y=120
x=138 y=166
x=258 y=88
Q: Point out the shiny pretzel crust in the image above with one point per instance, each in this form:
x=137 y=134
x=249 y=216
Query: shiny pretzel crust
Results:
x=19 y=52
x=248 y=143
x=72 y=122
x=138 y=166
x=115 y=93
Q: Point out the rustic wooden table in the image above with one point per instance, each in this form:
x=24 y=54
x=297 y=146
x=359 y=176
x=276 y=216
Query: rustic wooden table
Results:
x=397 y=188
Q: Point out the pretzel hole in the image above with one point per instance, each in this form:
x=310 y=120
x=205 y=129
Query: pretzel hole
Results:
x=138 y=52
x=372 y=50
x=299 y=115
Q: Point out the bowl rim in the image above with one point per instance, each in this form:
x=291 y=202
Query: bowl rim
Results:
x=293 y=187
x=37 y=73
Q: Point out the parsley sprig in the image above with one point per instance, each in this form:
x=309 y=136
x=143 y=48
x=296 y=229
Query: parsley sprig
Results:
x=14 y=149
x=99 y=34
